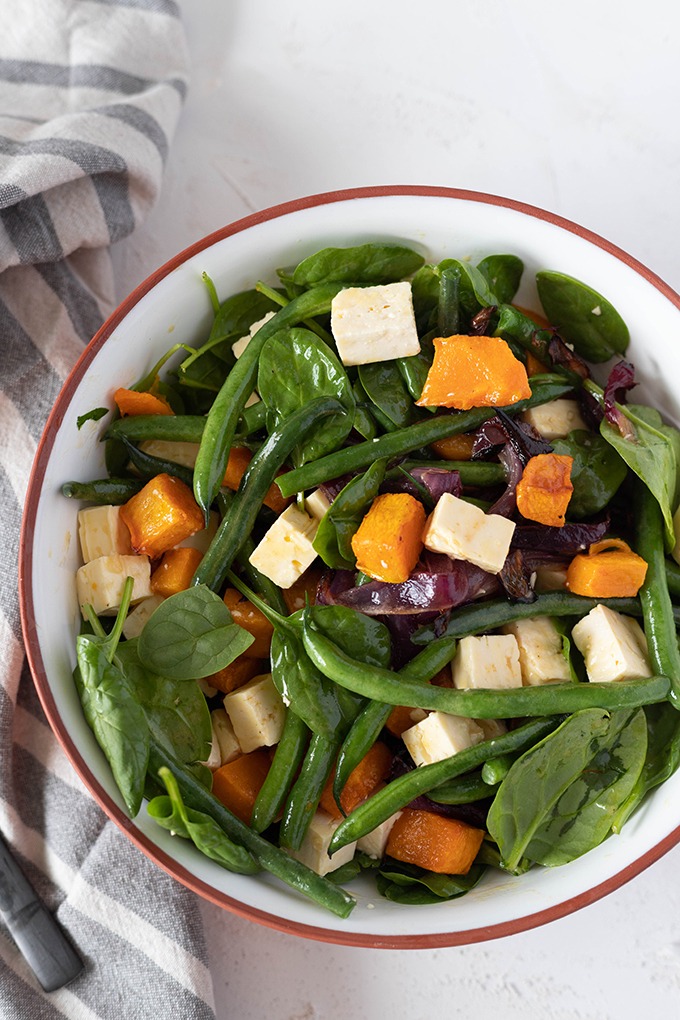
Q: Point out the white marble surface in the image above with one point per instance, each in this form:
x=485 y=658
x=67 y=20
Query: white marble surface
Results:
x=572 y=107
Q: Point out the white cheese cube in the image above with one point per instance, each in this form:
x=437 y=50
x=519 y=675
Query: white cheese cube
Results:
x=256 y=712
x=100 y=582
x=316 y=503
x=613 y=646
x=178 y=453
x=550 y=577
x=374 y=323
x=314 y=847
x=136 y=620
x=556 y=419
x=286 y=550
x=240 y=345
x=230 y=749
x=102 y=533
x=464 y=532
x=254 y=398
x=540 y=651
x=214 y=759
x=439 y=736
x=492 y=728
x=490 y=660
x=374 y=842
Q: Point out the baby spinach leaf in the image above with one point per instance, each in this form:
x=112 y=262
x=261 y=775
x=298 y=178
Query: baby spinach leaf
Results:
x=308 y=692
x=171 y=813
x=503 y=273
x=661 y=761
x=425 y=292
x=364 y=422
x=537 y=780
x=515 y=326
x=582 y=316
x=176 y=711
x=474 y=291
x=333 y=540
x=362 y=637
x=238 y=313
x=583 y=815
x=414 y=369
x=295 y=367
x=651 y=455
x=95 y=414
x=191 y=635
x=596 y=473
x=114 y=716
x=383 y=382
x=405 y=883
x=365 y=263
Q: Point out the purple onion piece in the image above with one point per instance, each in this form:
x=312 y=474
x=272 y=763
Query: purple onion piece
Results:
x=474 y=814
x=620 y=380
x=479 y=324
x=423 y=592
x=515 y=576
x=438 y=481
x=591 y=411
x=561 y=354
x=331 y=584
x=568 y=540
x=506 y=504
x=331 y=488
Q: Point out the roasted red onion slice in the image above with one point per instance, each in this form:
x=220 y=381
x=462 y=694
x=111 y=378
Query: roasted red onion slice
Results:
x=620 y=380
x=423 y=592
x=568 y=540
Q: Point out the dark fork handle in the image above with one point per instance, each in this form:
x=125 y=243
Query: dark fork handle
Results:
x=35 y=931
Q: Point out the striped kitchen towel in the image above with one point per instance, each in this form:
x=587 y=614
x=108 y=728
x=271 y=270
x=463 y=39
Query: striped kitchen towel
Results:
x=90 y=92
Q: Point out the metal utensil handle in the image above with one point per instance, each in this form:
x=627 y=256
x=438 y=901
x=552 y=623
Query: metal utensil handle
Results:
x=35 y=931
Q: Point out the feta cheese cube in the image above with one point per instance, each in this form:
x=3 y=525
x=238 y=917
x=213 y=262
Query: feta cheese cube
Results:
x=230 y=749
x=176 y=452
x=240 y=345
x=556 y=419
x=439 y=736
x=374 y=842
x=256 y=713
x=490 y=660
x=492 y=728
x=374 y=323
x=540 y=651
x=550 y=577
x=100 y=582
x=314 y=847
x=317 y=504
x=464 y=532
x=214 y=759
x=613 y=646
x=286 y=550
x=102 y=533
x=136 y=620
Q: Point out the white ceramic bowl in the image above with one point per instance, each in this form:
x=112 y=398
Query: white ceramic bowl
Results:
x=173 y=305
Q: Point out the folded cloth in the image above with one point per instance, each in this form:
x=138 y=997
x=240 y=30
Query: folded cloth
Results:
x=91 y=92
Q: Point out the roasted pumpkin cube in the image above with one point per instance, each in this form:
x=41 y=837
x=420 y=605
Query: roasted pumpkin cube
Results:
x=161 y=516
x=368 y=776
x=389 y=540
x=132 y=402
x=175 y=571
x=239 y=459
x=443 y=845
x=248 y=616
x=610 y=569
x=236 y=674
x=238 y=783
x=474 y=371
x=545 y=488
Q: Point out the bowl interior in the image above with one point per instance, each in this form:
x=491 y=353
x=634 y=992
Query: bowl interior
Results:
x=174 y=306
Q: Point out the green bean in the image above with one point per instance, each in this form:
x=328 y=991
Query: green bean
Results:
x=495 y=770
x=472 y=472
x=295 y=874
x=401 y=791
x=253 y=418
x=238 y=523
x=485 y=703
x=150 y=466
x=673 y=578
x=482 y=617
x=104 y=491
x=228 y=405
x=306 y=792
x=172 y=428
x=463 y=789
x=406 y=440
x=370 y=721
x=657 y=609
x=287 y=758
x=448 y=306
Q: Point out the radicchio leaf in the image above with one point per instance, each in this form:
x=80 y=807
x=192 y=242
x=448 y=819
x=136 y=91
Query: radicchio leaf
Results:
x=620 y=380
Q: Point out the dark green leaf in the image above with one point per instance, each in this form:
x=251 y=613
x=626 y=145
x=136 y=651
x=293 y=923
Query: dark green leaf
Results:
x=341 y=521
x=582 y=316
x=405 y=883
x=94 y=415
x=503 y=273
x=662 y=759
x=191 y=635
x=383 y=382
x=362 y=637
x=596 y=474
x=366 y=263
x=295 y=367
x=308 y=692
x=364 y=422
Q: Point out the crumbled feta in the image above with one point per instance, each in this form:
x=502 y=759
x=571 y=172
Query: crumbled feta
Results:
x=136 y=620
x=313 y=850
x=100 y=582
x=102 y=533
x=556 y=419
x=230 y=749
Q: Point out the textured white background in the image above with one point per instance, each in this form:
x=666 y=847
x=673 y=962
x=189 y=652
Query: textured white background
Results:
x=572 y=107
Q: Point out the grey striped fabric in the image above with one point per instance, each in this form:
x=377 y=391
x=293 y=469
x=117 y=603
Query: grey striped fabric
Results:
x=90 y=92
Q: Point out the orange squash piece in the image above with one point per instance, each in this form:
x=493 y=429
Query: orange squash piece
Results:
x=399 y=720
x=175 y=571
x=237 y=673
x=389 y=540
x=248 y=616
x=130 y=402
x=455 y=447
x=303 y=591
x=474 y=371
x=534 y=366
x=364 y=780
x=161 y=515
x=237 y=464
x=610 y=569
x=238 y=783
x=430 y=841
x=545 y=488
